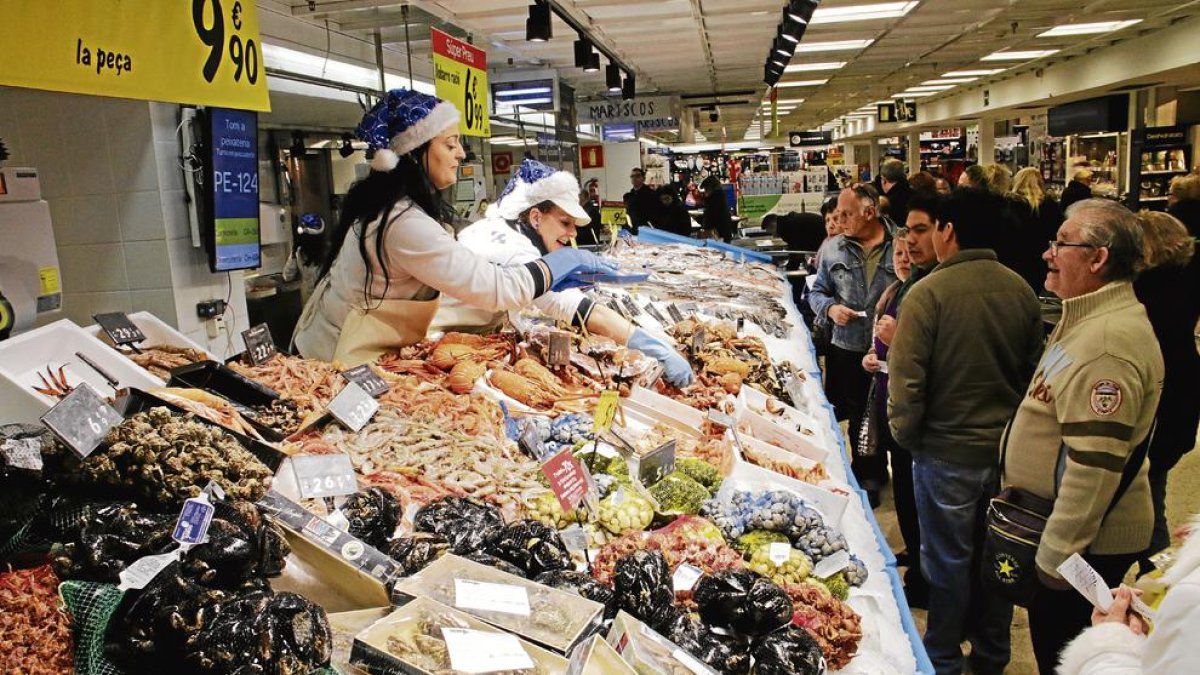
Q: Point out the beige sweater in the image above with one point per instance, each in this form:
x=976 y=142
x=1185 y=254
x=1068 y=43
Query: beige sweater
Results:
x=1095 y=391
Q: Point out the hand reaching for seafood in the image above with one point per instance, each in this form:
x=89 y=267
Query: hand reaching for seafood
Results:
x=675 y=368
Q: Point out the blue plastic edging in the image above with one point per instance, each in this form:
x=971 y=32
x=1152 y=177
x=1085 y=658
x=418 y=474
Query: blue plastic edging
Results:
x=924 y=665
x=653 y=236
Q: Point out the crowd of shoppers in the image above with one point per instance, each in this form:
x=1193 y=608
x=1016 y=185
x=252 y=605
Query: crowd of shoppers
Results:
x=938 y=316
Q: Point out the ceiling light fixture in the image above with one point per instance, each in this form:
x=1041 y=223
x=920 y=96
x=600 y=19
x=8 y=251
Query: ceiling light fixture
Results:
x=612 y=77
x=973 y=73
x=913 y=94
x=883 y=10
x=833 y=46
x=537 y=26
x=1088 y=28
x=629 y=88
x=783 y=47
x=931 y=87
x=951 y=80
x=785 y=101
x=593 y=65
x=583 y=52
x=791 y=29
x=522 y=92
x=803 y=83
x=801 y=11
x=771 y=75
x=811 y=67
x=1025 y=55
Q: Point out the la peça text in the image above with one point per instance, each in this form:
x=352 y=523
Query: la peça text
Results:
x=105 y=60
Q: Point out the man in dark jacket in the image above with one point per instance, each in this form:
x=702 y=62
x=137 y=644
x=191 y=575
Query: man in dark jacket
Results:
x=1079 y=189
x=896 y=189
x=968 y=338
x=673 y=215
x=641 y=203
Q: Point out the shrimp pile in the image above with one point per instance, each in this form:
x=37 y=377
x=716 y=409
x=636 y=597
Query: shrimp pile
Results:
x=308 y=383
x=35 y=636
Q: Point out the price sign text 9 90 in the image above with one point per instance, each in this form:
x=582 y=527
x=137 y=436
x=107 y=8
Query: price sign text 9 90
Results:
x=209 y=20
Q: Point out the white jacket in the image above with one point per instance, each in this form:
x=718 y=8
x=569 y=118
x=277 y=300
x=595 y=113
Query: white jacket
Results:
x=1172 y=647
x=496 y=240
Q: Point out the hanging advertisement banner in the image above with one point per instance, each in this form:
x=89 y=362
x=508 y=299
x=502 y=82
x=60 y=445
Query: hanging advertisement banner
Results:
x=460 y=72
x=203 y=52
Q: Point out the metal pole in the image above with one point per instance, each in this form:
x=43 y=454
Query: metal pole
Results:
x=407 y=45
x=379 y=62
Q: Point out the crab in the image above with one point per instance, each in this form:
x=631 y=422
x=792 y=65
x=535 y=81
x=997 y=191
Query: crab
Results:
x=57 y=387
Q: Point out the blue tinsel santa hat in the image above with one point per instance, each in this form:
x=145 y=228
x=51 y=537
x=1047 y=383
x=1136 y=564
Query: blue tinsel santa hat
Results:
x=534 y=183
x=402 y=121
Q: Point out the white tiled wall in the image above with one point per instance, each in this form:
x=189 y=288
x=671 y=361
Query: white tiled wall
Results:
x=110 y=170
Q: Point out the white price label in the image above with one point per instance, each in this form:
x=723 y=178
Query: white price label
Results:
x=23 y=453
x=574 y=538
x=831 y=565
x=324 y=475
x=143 y=570
x=353 y=407
x=489 y=597
x=476 y=651
x=685 y=577
x=780 y=552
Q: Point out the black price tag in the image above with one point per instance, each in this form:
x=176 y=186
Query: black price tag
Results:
x=656 y=464
x=365 y=377
x=699 y=340
x=82 y=419
x=673 y=310
x=119 y=328
x=259 y=345
x=324 y=475
x=630 y=306
x=652 y=311
x=559 y=355
x=353 y=407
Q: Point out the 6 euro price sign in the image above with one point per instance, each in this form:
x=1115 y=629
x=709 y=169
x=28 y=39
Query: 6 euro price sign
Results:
x=460 y=74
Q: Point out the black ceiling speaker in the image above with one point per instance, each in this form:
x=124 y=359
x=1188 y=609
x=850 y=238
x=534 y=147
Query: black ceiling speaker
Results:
x=537 y=26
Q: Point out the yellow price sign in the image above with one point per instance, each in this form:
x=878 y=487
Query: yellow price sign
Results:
x=606 y=410
x=460 y=76
x=205 y=52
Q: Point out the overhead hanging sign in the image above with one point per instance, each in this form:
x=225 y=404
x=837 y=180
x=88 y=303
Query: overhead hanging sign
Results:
x=204 y=52
x=803 y=139
x=460 y=73
x=633 y=110
x=897 y=111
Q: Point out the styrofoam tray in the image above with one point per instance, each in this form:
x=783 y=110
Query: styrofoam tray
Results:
x=55 y=345
x=157 y=332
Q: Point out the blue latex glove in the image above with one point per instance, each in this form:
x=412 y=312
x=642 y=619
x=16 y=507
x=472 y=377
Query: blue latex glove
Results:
x=565 y=263
x=676 y=369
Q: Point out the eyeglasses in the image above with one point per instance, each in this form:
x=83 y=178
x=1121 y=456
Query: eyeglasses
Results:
x=1055 y=245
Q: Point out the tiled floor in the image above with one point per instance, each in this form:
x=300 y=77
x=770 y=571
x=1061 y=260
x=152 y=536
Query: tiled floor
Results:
x=1183 y=500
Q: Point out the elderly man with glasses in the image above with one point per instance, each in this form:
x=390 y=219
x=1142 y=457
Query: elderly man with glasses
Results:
x=853 y=271
x=1078 y=433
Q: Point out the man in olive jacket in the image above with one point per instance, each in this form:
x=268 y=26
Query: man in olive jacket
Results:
x=965 y=348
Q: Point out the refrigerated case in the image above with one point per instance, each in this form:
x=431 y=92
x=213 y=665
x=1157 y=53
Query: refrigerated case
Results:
x=1162 y=153
x=1103 y=154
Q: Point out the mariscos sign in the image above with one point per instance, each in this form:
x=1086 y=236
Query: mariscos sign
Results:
x=635 y=110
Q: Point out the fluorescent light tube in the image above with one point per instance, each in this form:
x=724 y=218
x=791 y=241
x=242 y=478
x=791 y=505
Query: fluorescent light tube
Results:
x=1025 y=55
x=1088 y=28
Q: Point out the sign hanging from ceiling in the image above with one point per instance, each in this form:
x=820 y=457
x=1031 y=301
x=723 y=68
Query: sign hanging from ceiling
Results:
x=204 y=52
x=897 y=111
x=807 y=139
x=460 y=76
x=634 y=110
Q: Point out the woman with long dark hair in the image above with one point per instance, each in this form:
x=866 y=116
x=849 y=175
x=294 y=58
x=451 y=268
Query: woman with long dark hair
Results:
x=393 y=254
x=717 y=219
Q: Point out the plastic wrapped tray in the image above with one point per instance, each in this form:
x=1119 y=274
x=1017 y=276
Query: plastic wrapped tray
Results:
x=388 y=646
x=650 y=653
x=557 y=619
x=597 y=657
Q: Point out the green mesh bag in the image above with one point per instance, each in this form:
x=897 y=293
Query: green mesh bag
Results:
x=91 y=606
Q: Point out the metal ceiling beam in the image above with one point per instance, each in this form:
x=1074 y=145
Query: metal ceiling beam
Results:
x=327 y=9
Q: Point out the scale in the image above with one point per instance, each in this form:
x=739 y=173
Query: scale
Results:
x=30 y=279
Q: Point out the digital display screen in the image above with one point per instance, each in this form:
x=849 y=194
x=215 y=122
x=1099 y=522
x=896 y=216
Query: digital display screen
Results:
x=235 y=240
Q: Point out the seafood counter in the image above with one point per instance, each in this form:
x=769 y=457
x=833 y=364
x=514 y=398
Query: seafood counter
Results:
x=532 y=501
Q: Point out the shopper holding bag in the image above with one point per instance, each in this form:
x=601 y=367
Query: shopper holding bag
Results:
x=394 y=253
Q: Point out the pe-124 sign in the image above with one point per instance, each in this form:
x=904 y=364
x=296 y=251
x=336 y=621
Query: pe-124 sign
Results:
x=231 y=196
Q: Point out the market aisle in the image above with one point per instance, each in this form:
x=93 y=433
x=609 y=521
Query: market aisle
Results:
x=1183 y=500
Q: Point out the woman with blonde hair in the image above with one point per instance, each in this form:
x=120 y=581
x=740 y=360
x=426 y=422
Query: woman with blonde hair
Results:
x=1169 y=287
x=997 y=178
x=1035 y=219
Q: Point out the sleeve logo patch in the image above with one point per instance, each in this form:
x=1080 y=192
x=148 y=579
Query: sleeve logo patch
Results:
x=1106 y=398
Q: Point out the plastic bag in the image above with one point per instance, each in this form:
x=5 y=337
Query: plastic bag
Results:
x=726 y=654
x=492 y=561
x=530 y=545
x=792 y=651
x=415 y=552
x=465 y=523
x=581 y=583
x=373 y=516
x=643 y=587
x=742 y=601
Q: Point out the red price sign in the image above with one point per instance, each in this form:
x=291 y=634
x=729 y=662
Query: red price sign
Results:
x=567 y=477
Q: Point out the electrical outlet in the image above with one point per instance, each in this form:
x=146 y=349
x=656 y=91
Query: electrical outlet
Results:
x=210 y=308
